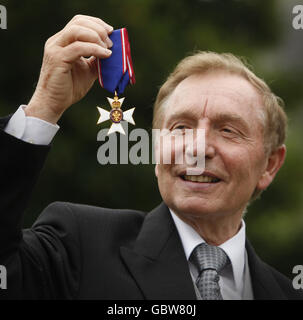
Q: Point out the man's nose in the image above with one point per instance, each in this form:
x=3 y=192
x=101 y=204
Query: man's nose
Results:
x=210 y=150
x=209 y=140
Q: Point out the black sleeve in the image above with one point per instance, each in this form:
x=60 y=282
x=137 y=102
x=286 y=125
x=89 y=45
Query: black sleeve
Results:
x=42 y=262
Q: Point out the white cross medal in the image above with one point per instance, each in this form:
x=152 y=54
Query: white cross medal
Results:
x=116 y=115
x=115 y=73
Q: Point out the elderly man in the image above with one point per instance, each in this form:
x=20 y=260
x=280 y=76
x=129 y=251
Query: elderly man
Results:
x=193 y=245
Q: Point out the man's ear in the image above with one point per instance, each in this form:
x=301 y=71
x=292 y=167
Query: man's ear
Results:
x=157 y=154
x=274 y=163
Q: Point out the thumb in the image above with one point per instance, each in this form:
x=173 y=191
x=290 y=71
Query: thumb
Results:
x=93 y=65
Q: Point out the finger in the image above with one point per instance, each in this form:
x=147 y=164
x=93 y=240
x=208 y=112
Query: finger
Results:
x=53 y=38
x=99 y=28
x=99 y=21
x=96 y=24
x=108 y=42
x=102 y=32
x=79 y=33
x=92 y=62
x=78 y=49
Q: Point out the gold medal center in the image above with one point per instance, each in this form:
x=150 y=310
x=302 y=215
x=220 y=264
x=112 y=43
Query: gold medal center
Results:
x=116 y=115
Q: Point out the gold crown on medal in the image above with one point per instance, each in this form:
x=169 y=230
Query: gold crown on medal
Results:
x=116 y=103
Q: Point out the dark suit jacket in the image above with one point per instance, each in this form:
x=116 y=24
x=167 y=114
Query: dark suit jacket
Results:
x=83 y=252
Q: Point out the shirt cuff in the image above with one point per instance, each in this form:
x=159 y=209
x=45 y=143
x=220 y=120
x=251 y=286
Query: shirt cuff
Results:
x=30 y=129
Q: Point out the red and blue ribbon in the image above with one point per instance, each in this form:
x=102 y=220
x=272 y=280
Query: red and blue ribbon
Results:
x=117 y=71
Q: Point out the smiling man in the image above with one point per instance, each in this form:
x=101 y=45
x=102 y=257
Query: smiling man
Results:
x=230 y=110
x=245 y=128
x=193 y=245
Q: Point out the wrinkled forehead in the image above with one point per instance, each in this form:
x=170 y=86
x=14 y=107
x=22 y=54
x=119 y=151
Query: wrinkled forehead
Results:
x=219 y=83
x=215 y=93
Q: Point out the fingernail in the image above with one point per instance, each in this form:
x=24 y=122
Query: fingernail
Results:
x=109 y=42
x=109 y=52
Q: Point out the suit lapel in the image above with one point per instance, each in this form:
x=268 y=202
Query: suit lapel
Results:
x=158 y=264
x=265 y=286
x=157 y=261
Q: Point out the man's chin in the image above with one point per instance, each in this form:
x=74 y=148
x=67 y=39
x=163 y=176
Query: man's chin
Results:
x=194 y=207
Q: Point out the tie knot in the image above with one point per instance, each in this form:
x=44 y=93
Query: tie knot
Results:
x=205 y=256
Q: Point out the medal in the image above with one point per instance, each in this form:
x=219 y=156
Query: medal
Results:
x=116 y=115
x=115 y=73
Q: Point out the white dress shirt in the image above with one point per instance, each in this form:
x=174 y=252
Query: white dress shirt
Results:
x=30 y=129
x=235 y=281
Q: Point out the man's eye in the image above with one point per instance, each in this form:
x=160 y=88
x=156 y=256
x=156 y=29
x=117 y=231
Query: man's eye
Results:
x=179 y=129
x=228 y=130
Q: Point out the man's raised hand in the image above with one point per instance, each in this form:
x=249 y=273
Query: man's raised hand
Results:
x=66 y=74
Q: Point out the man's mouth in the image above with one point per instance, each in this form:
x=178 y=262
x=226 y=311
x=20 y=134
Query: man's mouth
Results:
x=204 y=179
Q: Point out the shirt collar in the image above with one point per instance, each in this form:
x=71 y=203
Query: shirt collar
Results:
x=233 y=247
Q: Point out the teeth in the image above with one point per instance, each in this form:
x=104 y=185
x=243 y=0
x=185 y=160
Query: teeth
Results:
x=200 y=179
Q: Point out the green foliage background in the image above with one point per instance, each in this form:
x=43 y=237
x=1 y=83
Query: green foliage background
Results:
x=161 y=33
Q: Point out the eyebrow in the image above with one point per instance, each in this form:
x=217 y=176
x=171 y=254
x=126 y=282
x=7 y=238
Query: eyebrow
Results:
x=186 y=115
x=217 y=118
x=230 y=117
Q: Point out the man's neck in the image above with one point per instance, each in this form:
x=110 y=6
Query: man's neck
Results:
x=214 y=231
